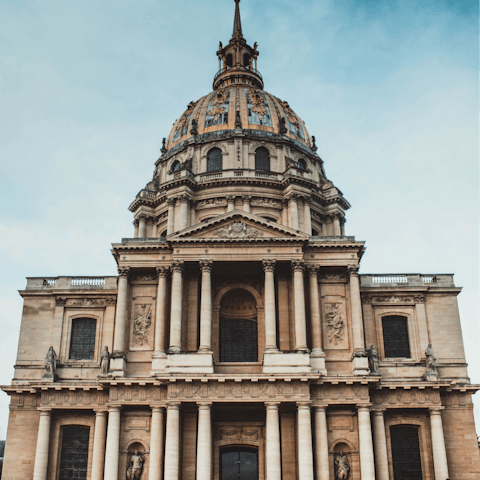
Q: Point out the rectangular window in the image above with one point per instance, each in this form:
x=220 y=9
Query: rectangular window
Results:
x=395 y=337
x=407 y=463
x=82 y=340
x=74 y=453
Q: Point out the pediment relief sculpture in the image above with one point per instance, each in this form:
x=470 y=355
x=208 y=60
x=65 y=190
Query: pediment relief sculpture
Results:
x=238 y=230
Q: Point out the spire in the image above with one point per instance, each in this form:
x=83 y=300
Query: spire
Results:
x=237 y=22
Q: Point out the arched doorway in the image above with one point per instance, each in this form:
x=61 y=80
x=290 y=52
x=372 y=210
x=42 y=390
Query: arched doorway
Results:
x=238 y=327
x=239 y=463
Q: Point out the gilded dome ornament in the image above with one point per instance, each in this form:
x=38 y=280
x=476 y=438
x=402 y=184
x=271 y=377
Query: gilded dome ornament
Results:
x=258 y=104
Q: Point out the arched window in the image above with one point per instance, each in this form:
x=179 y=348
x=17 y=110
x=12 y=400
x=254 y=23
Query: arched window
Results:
x=82 y=339
x=238 y=463
x=262 y=159
x=229 y=60
x=302 y=164
x=238 y=327
x=74 y=453
x=175 y=166
x=395 y=336
x=406 y=459
x=214 y=160
x=246 y=60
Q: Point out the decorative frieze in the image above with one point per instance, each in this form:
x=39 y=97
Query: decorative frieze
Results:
x=240 y=433
x=401 y=398
x=136 y=394
x=85 y=302
x=270 y=202
x=341 y=394
x=144 y=278
x=77 y=399
x=238 y=230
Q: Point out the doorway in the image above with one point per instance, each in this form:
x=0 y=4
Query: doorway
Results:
x=239 y=463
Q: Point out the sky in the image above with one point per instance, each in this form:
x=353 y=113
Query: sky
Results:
x=89 y=89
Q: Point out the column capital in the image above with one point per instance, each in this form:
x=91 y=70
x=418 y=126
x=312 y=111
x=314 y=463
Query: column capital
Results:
x=114 y=408
x=100 y=412
x=304 y=405
x=435 y=410
x=206 y=265
x=298 y=265
x=123 y=271
x=364 y=407
x=45 y=411
x=136 y=222
x=157 y=408
x=320 y=408
x=178 y=266
x=352 y=270
x=313 y=270
x=163 y=271
x=184 y=198
x=378 y=411
x=307 y=199
x=272 y=405
x=268 y=265
x=173 y=405
x=142 y=216
x=247 y=198
x=204 y=405
x=231 y=198
x=171 y=201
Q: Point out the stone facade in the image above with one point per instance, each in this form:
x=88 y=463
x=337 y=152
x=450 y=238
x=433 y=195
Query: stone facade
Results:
x=238 y=324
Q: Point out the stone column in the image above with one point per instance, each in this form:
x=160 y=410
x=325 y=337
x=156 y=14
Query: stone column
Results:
x=184 y=212
x=204 y=442
x=171 y=215
x=322 y=470
x=285 y=213
x=99 y=437
x=316 y=321
x=293 y=212
x=156 y=444
x=380 y=442
x=305 y=452
x=299 y=295
x=135 y=225
x=272 y=445
x=117 y=363
x=172 y=442
x=206 y=307
x=438 y=444
x=337 y=231
x=342 y=226
x=176 y=308
x=112 y=452
x=246 y=203
x=367 y=465
x=230 y=203
x=270 y=317
x=161 y=317
x=142 y=226
x=307 y=215
x=43 y=444
x=193 y=216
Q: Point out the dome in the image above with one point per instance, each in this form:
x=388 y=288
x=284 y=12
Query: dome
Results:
x=238 y=104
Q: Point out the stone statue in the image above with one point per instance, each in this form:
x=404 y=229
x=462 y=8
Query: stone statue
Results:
x=431 y=375
x=135 y=468
x=373 y=361
x=50 y=366
x=255 y=45
x=283 y=126
x=342 y=467
x=104 y=361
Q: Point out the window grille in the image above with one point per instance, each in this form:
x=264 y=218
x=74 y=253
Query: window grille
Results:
x=82 y=340
x=74 y=453
x=406 y=459
x=238 y=341
x=262 y=159
x=214 y=160
x=395 y=337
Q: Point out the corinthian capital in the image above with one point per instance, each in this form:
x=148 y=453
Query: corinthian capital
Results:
x=268 y=265
x=178 y=265
x=171 y=201
x=123 y=271
x=163 y=272
x=206 y=265
x=353 y=270
x=231 y=198
x=313 y=270
x=298 y=265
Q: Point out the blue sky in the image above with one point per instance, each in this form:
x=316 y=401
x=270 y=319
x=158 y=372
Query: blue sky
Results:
x=88 y=89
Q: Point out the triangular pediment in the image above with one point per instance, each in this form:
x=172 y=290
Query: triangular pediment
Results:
x=238 y=225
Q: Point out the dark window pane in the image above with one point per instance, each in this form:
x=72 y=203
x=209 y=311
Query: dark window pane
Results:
x=262 y=159
x=407 y=464
x=239 y=463
x=214 y=160
x=238 y=341
x=395 y=337
x=74 y=453
x=82 y=343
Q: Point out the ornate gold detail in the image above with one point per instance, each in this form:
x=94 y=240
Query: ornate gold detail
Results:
x=258 y=104
x=290 y=114
x=184 y=118
x=216 y=103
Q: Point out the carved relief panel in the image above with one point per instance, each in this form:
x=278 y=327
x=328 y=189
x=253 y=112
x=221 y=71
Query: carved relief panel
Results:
x=334 y=314
x=73 y=399
x=400 y=398
x=142 y=318
x=137 y=394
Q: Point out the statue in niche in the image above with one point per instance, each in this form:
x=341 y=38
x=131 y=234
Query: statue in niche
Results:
x=335 y=324
x=50 y=366
x=342 y=466
x=373 y=360
x=135 y=467
x=143 y=320
x=431 y=375
x=104 y=361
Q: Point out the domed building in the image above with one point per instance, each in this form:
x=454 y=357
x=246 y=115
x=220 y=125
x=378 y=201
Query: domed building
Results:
x=238 y=340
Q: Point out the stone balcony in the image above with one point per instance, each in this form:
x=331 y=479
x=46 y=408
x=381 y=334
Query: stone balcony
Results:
x=406 y=280
x=71 y=283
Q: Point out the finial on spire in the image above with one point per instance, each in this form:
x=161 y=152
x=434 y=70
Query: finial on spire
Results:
x=237 y=23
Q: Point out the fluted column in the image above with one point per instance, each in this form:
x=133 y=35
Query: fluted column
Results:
x=316 y=324
x=156 y=444
x=438 y=444
x=299 y=295
x=172 y=442
x=135 y=225
x=142 y=225
x=307 y=215
x=270 y=316
x=121 y=313
x=171 y=215
x=246 y=203
x=206 y=306
x=337 y=232
x=43 y=444
x=380 y=443
x=230 y=203
x=99 y=437
x=161 y=317
x=204 y=442
x=367 y=465
x=293 y=212
x=272 y=445
x=112 y=452
x=176 y=308
x=322 y=467
x=356 y=307
x=305 y=451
